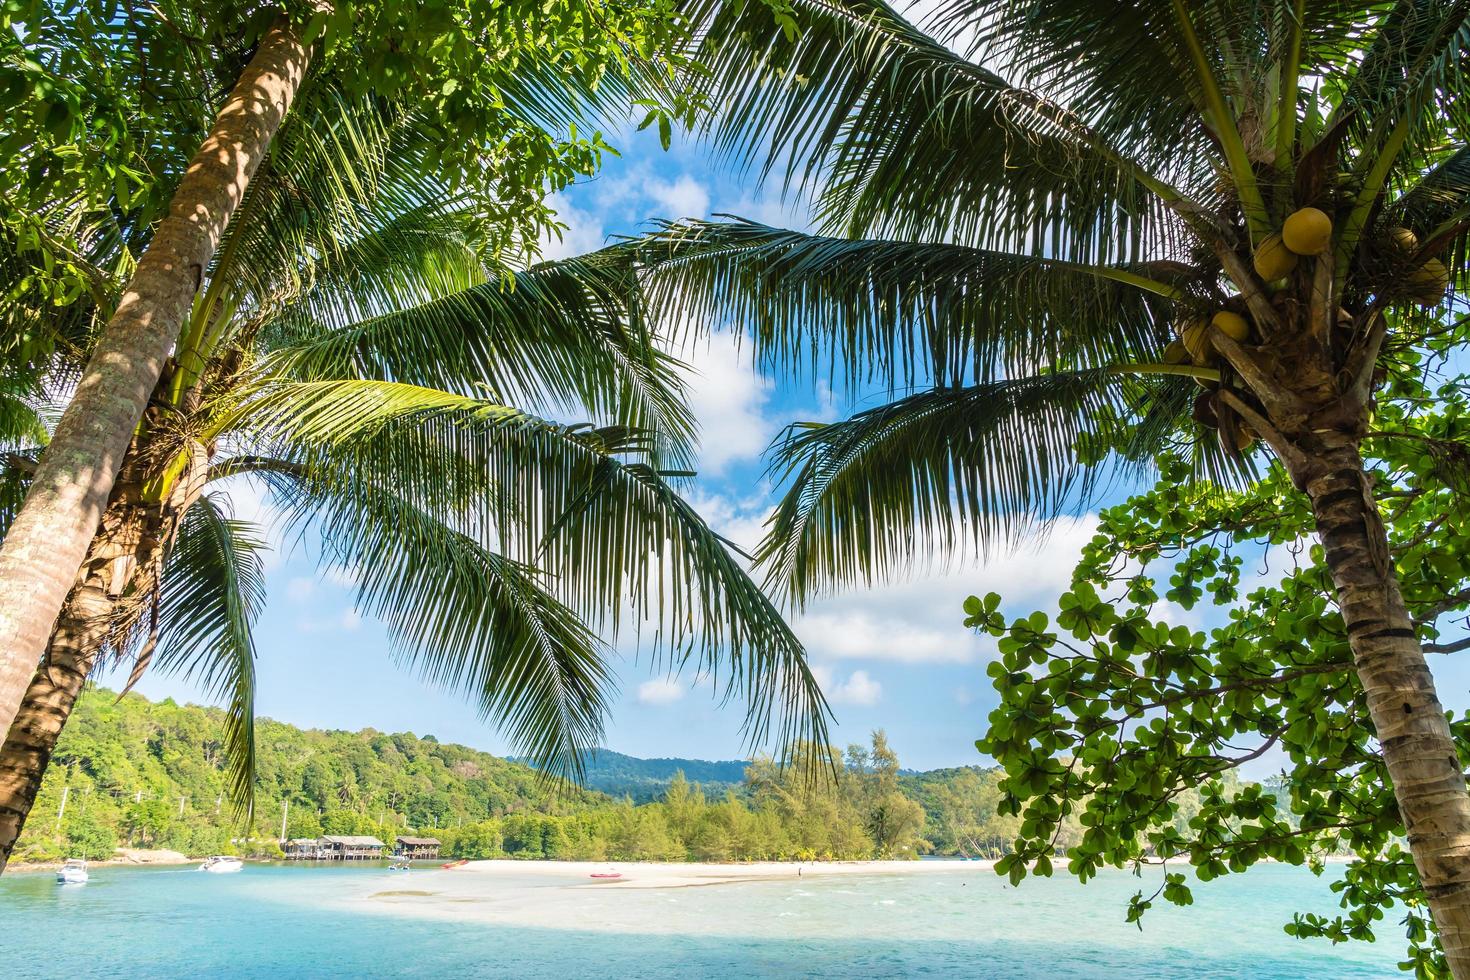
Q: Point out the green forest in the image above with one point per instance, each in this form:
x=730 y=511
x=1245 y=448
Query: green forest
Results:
x=136 y=773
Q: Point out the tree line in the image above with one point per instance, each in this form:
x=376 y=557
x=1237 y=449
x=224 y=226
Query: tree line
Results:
x=135 y=773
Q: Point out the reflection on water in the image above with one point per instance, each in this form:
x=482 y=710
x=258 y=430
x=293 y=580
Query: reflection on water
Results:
x=368 y=922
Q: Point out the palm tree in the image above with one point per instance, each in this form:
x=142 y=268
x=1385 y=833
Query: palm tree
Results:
x=355 y=351
x=507 y=91
x=1062 y=226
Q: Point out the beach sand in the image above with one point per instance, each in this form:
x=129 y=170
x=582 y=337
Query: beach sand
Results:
x=642 y=900
x=688 y=875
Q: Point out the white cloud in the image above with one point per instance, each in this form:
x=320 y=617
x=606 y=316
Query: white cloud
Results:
x=919 y=619
x=684 y=198
x=741 y=521
x=350 y=620
x=729 y=398
x=661 y=690
x=859 y=689
x=583 y=232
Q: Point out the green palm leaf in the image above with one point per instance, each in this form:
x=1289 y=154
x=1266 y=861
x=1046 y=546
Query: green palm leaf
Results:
x=906 y=312
x=467 y=618
x=941 y=471
x=212 y=587
x=568 y=335
x=911 y=139
x=616 y=542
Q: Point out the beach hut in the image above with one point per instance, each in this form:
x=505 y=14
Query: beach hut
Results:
x=344 y=848
x=302 y=848
x=413 y=848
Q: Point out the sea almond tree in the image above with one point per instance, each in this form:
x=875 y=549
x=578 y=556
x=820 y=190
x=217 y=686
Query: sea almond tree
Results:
x=1058 y=220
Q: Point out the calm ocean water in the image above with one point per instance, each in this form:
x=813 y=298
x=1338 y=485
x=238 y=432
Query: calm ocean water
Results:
x=276 y=922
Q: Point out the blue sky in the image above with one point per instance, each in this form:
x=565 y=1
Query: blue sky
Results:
x=894 y=657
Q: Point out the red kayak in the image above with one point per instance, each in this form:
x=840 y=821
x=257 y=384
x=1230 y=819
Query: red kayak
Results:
x=455 y=864
x=605 y=874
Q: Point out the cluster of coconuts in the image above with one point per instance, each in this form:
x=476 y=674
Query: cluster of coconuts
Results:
x=1308 y=232
x=1195 y=346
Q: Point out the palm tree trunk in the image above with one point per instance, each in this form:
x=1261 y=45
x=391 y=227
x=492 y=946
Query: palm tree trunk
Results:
x=49 y=537
x=1413 y=734
x=78 y=639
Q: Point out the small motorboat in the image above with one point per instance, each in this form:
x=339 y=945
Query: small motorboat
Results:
x=606 y=875
x=221 y=864
x=73 y=872
x=455 y=864
x=399 y=866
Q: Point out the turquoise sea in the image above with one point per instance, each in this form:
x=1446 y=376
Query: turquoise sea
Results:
x=273 y=921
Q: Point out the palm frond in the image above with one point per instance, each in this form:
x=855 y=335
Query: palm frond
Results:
x=1437 y=207
x=936 y=473
x=911 y=140
x=897 y=312
x=569 y=336
x=614 y=539
x=469 y=619
x=213 y=586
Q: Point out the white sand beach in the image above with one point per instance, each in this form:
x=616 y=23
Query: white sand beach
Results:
x=645 y=897
x=688 y=875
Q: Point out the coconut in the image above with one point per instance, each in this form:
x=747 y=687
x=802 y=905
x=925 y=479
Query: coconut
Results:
x=1196 y=337
x=1307 y=232
x=1245 y=436
x=1401 y=240
x=1273 y=260
x=1175 y=353
x=1427 y=284
x=1232 y=325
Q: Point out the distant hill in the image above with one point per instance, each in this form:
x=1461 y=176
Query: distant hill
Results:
x=152 y=774
x=644 y=780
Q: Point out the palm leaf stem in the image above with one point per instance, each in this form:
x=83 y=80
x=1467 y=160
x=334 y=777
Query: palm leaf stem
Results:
x=1369 y=193
x=1290 y=81
x=1225 y=129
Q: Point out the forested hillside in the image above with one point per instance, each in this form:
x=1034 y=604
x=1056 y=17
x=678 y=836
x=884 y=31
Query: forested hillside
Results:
x=646 y=780
x=142 y=774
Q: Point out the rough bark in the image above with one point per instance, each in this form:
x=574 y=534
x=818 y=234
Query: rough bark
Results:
x=75 y=645
x=1418 y=751
x=48 y=540
x=120 y=574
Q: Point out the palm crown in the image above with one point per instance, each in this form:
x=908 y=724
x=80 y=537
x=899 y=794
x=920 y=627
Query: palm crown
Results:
x=356 y=350
x=1017 y=227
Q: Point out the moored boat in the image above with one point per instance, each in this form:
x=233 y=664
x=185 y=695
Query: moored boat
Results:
x=606 y=875
x=456 y=864
x=221 y=864
x=73 y=872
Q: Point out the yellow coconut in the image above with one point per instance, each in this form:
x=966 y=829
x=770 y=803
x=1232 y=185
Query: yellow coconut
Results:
x=1196 y=337
x=1428 y=283
x=1401 y=240
x=1245 y=437
x=1307 y=232
x=1273 y=260
x=1232 y=325
x=1175 y=353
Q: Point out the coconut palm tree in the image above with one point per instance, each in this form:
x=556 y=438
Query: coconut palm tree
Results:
x=98 y=102
x=1062 y=227
x=357 y=352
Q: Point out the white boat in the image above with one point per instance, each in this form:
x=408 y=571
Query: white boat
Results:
x=221 y=864
x=73 y=872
